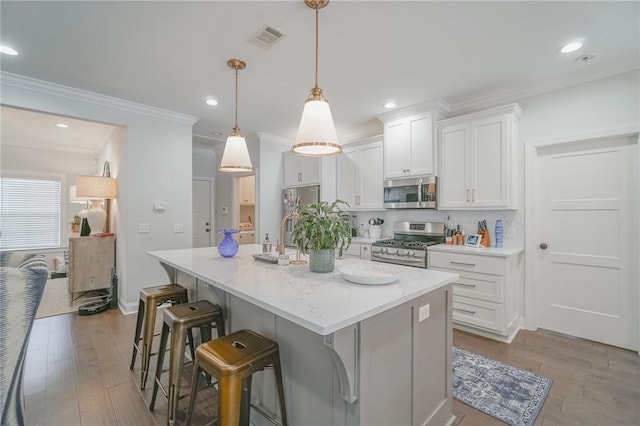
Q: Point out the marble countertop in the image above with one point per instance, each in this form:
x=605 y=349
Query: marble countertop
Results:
x=485 y=251
x=322 y=303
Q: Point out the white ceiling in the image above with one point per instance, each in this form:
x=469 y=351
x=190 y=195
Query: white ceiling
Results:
x=172 y=55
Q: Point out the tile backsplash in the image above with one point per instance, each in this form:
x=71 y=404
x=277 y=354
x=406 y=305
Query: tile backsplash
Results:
x=513 y=221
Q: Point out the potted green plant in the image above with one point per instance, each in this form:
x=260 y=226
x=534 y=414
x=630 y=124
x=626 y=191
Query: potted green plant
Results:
x=320 y=229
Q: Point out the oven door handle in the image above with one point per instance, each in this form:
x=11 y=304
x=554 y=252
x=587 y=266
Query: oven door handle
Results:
x=393 y=257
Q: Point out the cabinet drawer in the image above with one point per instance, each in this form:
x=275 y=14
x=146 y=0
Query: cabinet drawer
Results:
x=468 y=262
x=478 y=313
x=479 y=286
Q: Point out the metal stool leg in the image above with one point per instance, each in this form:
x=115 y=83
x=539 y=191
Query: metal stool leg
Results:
x=194 y=390
x=176 y=361
x=280 y=384
x=161 y=351
x=136 y=337
x=147 y=341
x=230 y=397
x=245 y=401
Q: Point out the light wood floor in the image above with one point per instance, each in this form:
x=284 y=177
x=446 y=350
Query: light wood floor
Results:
x=77 y=373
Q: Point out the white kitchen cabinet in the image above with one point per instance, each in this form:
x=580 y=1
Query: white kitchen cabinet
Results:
x=409 y=146
x=359 y=176
x=358 y=250
x=300 y=170
x=485 y=298
x=247 y=188
x=246 y=237
x=478 y=160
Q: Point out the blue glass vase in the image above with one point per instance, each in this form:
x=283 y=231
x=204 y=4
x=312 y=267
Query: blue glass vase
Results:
x=228 y=247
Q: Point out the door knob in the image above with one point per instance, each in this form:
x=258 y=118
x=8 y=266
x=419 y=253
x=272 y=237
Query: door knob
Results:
x=543 y=246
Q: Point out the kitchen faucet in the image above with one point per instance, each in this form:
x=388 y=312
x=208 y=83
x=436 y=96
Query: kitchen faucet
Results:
x=289 y=215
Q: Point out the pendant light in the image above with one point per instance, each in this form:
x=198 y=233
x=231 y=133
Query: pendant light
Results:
x=316 y=134
x=236 y=156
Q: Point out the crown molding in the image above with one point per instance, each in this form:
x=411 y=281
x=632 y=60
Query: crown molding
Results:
x=28 y=83
x=512 y=96
x=439 y=106
x=503 y=109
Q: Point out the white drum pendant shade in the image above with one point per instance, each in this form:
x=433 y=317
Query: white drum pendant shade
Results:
x=236 y=156
x=316 y=133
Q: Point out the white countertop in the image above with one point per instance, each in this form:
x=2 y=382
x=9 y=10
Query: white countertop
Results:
x=486 y=251
x=322 y=303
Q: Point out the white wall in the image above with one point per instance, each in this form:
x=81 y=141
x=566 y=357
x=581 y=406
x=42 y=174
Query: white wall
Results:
x=155 y=166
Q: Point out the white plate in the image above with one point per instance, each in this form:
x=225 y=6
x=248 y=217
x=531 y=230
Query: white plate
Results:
x=369 y=273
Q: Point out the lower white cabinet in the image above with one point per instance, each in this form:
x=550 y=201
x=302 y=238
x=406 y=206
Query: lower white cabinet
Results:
x=486 y=297
x=246 y=237
x=362 y=251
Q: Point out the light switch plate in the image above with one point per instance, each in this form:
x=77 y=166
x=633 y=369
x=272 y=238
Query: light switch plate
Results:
x=177 y=228
x=144 y=228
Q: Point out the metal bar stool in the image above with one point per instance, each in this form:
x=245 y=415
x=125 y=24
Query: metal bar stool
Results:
x=232 y=360
x=150 y=299
x=180 y=320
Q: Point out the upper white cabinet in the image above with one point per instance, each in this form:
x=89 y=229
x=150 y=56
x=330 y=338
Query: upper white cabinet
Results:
x=409 y=146
x=478 y=160
x=300 y=170
x=359 y=179
x=248 y=190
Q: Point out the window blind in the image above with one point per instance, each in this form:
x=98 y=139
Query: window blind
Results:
x=29 y=213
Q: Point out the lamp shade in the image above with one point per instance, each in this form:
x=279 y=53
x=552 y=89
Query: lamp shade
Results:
x=316 y=133
x=96 y=187
x=236 y=155
x=73 y=198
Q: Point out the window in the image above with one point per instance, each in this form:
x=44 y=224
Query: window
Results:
x=29 y=213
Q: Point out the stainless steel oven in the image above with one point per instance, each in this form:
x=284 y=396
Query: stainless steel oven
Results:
x=409 y=244
x=410 y=193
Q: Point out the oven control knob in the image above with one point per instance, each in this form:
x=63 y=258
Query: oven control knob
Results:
x=392 y=251
x=411 y=253
x=403 y=252
x=375 y=249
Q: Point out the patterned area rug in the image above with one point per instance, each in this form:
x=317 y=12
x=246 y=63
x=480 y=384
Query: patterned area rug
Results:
x=507 y=393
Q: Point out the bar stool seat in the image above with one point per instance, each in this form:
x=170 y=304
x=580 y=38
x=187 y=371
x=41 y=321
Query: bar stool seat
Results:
x=180 y=320
x=232 y=360
x=150 y=299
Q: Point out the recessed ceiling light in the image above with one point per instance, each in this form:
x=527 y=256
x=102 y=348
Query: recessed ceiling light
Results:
x=62 y=125
x=389 y=105
x=212 y=102
x=570 y=47
x=8 y=50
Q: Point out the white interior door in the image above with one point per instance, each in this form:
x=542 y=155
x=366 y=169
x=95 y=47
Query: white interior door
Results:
x=587 y=275
x=202 y=212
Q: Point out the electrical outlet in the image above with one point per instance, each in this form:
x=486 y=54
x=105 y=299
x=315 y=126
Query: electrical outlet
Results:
x=225 y=210
x=178 y=228
x=424 y=312
x=144 y=228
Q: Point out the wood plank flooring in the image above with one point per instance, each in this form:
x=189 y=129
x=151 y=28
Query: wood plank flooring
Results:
x=77 y=373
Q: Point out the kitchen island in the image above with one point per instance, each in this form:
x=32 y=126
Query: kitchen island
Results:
x=351 y=354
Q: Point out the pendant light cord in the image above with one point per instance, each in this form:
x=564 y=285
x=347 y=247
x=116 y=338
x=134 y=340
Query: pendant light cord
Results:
x=236 y=120
x=317 y=12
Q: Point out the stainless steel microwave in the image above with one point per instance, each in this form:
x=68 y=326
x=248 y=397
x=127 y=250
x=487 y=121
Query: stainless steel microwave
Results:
x=410 y=193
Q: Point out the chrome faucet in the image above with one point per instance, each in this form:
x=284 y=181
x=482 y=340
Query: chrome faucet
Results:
x=287 y=216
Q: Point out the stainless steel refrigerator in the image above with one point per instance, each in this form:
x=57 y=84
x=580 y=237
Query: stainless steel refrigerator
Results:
x=303 y=196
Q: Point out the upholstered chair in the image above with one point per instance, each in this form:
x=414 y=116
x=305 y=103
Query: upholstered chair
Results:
x=21 y=286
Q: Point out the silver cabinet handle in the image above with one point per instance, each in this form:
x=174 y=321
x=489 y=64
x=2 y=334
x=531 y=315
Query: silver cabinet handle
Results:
x=543 y=246
x=473 y=195
x=465 y=311
x=466 y=285
x=462 y=263
x=467 y=195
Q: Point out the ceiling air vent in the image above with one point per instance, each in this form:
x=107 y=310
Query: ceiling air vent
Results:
x=267 y=36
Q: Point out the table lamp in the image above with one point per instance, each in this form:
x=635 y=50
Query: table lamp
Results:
x=97 y=189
